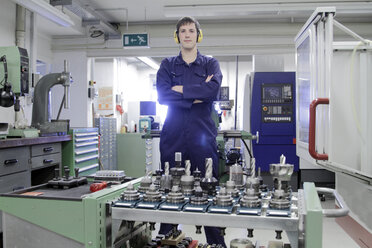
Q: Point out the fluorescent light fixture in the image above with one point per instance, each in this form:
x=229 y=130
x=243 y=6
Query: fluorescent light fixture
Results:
x=46 y=10
x=150 y=62
x=204 y=10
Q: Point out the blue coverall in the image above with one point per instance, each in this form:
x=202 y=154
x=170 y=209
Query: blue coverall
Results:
x=189 y=127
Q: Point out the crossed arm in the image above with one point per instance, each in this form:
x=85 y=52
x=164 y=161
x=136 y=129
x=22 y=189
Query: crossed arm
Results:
x=179 y=89
x=185 y=95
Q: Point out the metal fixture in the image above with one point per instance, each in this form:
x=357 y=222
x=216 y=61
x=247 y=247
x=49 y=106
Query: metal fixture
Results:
x=41 y=118
x=250 y=199
x=166 y=179
x=145 y=184
x=152 y=194
x=187 y=181
x=198 y=198
x=223 y=199
x=46 y=10
x=175 y=196
x=130 y=194
x=231 y=189
x=90 y=17
x=177 y=171
x=209 y=183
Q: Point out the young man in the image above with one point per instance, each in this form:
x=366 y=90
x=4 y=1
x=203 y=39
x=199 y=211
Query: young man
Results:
x=188 y=84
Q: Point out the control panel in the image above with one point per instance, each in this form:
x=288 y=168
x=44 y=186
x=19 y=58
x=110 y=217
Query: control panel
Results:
x=277 y=102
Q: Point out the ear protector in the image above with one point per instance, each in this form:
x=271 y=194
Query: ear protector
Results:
x=198 y=40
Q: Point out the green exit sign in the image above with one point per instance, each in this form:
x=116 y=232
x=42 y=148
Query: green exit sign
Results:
x=136 y=40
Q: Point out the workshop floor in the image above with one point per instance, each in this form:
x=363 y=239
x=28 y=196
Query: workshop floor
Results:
x=333 y=234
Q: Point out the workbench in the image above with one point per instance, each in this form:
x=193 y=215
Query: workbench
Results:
x=59 y=218
x=28 y=161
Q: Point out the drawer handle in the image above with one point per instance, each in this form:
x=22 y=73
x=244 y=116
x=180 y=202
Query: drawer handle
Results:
x=48 y=149
x=47 y=161
x=10 y=161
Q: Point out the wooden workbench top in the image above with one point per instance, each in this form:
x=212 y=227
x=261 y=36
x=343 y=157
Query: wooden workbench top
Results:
x=6 y=143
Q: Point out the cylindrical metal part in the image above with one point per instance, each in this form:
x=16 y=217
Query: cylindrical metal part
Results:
x=152 y=195
x=66 y=66
x=241 y=243
x=250 y=199
x=223 y=199
x=175 y=196
x=130 y=194
x=178 y=159
x=166 y=183
x=236 y=175
x=198 y=198
x=279 y=200
x=253 y=182
x=145 y=184
x=187 y=185
x=67 y=96
x=231 y=189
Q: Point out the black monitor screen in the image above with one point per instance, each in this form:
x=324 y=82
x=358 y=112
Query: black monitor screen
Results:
x=272 y=92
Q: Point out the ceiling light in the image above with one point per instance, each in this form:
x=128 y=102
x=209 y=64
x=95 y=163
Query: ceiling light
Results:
x=202 y=10
x=150 y=62
x=46 y=10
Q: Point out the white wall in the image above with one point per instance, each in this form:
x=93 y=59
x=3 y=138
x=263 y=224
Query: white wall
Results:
x=104 y=76
x=8 y=25
x=80 y=108
x=44 y=49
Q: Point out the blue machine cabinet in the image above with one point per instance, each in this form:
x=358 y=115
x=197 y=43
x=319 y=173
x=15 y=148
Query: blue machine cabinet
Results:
x=273 y=115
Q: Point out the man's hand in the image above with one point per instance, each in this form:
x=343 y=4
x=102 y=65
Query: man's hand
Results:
x=196 y=101
x=178 y=88
x=209 y=78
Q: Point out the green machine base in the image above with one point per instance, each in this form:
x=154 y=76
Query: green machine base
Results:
x=23 y=133
x=75 y=218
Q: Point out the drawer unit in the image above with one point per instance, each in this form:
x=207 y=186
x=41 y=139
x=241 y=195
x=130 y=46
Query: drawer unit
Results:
x=82 y=151
x=13 y=182
x=107 y=130
x=46 y=160
x=13 y=160
x=45 y=149
x=28 y=162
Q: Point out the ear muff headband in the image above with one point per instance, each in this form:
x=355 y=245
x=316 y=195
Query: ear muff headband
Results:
x=177 y=40
x=200 y=36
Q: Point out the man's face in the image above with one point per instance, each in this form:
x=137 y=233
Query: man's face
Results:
x=187 y=34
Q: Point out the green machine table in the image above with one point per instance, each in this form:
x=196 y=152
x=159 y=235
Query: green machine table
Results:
x=59 y=218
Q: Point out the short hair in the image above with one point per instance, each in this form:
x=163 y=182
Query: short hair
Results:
x=187 y=20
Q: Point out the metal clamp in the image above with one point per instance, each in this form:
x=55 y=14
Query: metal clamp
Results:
x=342 y=211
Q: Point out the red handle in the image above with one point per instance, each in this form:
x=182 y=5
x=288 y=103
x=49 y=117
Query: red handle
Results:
x=97 y=186
x=312 y=122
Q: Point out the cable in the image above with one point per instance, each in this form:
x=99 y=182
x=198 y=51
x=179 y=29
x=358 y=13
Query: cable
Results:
x=246 y=146
x=95 y=33
x=3 y=59
x=60 y=107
